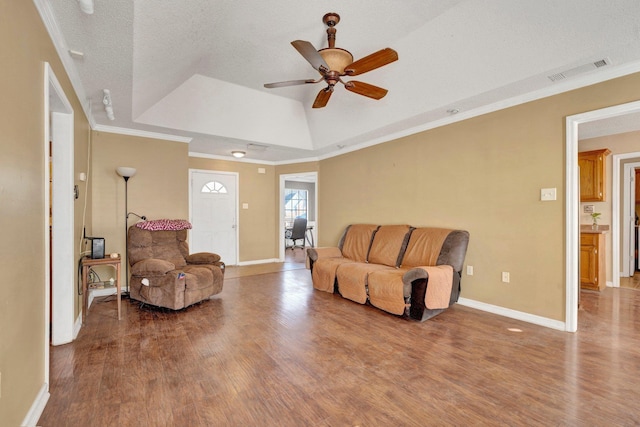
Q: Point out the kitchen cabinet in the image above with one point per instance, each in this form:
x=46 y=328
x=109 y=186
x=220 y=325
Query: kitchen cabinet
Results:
x=593 y=175
x=592 y=261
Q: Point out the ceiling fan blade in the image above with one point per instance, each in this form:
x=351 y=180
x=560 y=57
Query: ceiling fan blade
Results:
x=365 y=89
x=290 y=83
x=310 y=53
x=371 y=62
x=323 y=97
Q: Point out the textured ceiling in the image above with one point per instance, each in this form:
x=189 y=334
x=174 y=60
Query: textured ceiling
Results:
x=195 y=70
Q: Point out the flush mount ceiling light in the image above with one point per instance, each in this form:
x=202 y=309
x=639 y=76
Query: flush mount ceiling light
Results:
x=238 y=154
x=86 y=6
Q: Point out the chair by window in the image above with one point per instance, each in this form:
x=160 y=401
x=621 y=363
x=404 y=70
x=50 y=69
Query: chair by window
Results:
x=298 y=232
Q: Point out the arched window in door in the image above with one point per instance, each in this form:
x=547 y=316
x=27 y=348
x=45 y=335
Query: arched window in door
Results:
x=214 y=187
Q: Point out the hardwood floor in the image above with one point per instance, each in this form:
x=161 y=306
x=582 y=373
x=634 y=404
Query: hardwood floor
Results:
x=632 y=282
x=271 y=351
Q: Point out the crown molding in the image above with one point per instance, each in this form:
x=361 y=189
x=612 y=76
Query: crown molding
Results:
x=60 y=44
x=48 y=18
x=556 y=89
x=230 y=158
x=141 y=133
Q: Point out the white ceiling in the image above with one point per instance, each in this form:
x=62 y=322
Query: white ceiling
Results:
x=194 y=71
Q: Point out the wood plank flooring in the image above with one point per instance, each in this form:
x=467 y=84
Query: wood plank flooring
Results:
x=271 y=351
x=632 y=282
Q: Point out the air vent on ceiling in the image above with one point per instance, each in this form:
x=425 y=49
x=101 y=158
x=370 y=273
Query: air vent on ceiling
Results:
x=257 y=147
x=580 y=70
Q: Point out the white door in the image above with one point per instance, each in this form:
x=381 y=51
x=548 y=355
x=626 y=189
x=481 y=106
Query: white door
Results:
x=214 y=214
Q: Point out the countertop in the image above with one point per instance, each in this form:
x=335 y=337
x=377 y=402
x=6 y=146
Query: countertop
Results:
x=588 y=228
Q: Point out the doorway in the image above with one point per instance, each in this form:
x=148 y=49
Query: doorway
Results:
x=58 y=216
x=572 y=220
x=214 y=213
x=629 y=217
x=303 y=180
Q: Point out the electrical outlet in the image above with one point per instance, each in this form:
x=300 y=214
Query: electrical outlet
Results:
x=469 y=270
x=505 y=276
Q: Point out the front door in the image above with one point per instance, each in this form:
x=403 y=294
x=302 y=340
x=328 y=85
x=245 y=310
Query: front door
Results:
x=214 y=214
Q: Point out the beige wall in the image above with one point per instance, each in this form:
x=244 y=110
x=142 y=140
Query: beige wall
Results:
x=256 y=224
x=483 y=175
x=158 y=190
x=25 y=48
x=628 y=142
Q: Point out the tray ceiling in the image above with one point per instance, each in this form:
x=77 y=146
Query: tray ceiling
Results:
x=194 y=71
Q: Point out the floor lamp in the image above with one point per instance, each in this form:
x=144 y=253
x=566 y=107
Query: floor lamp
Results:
x=126 y=173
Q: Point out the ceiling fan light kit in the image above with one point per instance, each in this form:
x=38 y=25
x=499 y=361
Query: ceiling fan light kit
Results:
x=333 y=63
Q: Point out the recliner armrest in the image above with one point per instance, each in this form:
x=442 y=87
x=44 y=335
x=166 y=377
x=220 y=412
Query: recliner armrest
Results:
x=152 y=267
x=202 y=258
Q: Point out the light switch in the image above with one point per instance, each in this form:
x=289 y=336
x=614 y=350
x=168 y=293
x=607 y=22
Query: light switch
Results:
x=262 y=170
x=547 y=194
x=245 y=206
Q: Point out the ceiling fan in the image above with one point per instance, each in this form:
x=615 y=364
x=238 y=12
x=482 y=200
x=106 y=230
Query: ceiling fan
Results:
x=333 y=63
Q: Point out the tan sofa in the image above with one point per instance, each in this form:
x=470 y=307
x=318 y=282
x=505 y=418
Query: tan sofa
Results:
x=407 y=271
x=164 y=274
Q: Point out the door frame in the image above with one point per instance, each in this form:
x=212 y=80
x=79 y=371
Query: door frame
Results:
x=236 y=177
x=628 y=232
x=59 y=129
x=572 y=205
x=281 y=228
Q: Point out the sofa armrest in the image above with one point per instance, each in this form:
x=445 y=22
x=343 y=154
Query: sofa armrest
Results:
x=152 y=267
x=430 y=295
x=202 y=258
x=328 y=252
x=314 y=254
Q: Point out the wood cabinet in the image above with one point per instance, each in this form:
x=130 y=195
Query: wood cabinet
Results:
x=592 y=261
x=592 y=175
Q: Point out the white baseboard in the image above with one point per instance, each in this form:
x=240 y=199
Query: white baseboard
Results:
x=259 y=261
x=77 y=325
x=37 y=407
x=514 y=314
x=93 y=293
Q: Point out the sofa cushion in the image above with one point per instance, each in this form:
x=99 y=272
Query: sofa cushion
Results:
x=424 y=246
x=357 y=241
x=387 y=291
x=324 y=273
x=388 y=243
x=352 y=279
x=167 y=245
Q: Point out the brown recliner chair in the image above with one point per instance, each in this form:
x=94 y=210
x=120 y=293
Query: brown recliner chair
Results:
x=164 y=274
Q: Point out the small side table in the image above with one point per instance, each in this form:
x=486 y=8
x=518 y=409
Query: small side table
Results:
x=87 y=263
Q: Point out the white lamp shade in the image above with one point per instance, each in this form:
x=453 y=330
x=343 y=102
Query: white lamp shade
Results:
x=126 y=172
x=238 y=154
